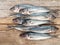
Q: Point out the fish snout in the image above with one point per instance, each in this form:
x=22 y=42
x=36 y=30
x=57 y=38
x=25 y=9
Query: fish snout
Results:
x=23 y=35
x=12 y=8
x=15 y=20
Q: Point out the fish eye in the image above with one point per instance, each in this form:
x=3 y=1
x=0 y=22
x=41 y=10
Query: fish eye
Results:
x=15 y=20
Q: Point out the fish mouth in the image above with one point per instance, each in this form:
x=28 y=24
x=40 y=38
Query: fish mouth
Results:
x=12 y=8
x=23 y=35
x=15 y=20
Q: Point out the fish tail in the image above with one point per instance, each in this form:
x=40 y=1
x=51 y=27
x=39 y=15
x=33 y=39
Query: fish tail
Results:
x=56 y=36
x=55 y=13
x=9 y=26
x=54 y=17
x=51 y=22
x=56 y=28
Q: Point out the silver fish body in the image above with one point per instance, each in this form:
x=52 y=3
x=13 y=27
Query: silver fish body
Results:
x=43 y=16
x=20 y=7
x=34 y=10
x=36 y=22
x=44 y=29
x=20 y=27
x=37 y=29
x=35 y=36
x=38 y=16
x=31 y=22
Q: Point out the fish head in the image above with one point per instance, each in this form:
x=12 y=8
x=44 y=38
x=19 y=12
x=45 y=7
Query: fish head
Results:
x=28 y=22
x=17 y=20
x=15 y=8
x=24 y=35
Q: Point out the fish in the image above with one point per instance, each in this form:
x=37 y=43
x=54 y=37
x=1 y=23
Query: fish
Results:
x=38 y=16
x=44 y=29
x=35 y=36
x=20 y=7
x=28 y=7
x=31 y=22
x=41 y=16
x=20 y=27
x=37 y=29
x=34 y=10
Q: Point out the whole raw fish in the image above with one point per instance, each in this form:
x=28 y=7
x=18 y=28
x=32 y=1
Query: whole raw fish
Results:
x=41 y=16
x=31 y=22
x=28 y=8
x=34 y=10
x=38 y=29
x=20 y=27
x=38 y=16
x=20 y=7
x=44 y=29
x=36 y=22
x=35 y=36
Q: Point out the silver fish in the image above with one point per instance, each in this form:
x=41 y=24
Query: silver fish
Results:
x=38 y=16
x=34 y=10
x=20 y=7
x=38 y=29
x=36 y=22
x=31 y=22
x=41 y=16
x=21 y=27
x=35 y=36
x=44 y=29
